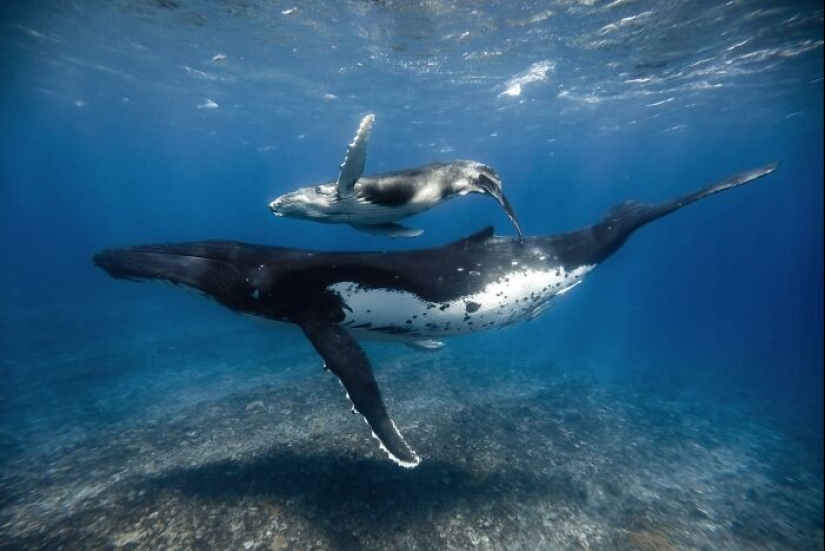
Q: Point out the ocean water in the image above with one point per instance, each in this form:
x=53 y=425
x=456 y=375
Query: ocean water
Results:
x=672 y=401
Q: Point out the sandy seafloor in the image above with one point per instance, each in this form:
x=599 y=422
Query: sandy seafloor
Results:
x=205 y=430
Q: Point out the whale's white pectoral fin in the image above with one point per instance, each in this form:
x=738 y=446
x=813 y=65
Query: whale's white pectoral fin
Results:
x=346 y=359
x=388 y=229
x=356 y=158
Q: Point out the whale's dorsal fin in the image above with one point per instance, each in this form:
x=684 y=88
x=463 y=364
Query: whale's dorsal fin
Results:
x=345 y=357
x=356 y=158
x=480 y=236
x=483 y=234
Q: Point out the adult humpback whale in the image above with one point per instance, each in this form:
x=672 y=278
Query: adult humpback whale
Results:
x=477 y=283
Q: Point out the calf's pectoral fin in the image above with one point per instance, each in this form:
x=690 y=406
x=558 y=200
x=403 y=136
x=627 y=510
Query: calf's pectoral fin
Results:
x=347 y=360
x=388 y=229
x=355 y=159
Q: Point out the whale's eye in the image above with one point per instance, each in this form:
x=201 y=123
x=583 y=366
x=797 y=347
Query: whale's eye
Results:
x=318 y=190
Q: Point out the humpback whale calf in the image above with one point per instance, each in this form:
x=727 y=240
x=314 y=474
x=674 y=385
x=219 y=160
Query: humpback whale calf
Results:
x=373 y=203
x=479 y=282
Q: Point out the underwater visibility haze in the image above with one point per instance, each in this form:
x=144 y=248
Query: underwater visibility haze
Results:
x=673 y=400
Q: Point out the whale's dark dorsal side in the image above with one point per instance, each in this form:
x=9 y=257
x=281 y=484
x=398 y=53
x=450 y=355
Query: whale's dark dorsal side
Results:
x=476 y=283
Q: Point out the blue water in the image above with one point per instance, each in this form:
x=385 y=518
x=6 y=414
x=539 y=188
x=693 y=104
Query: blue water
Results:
x=134 y=122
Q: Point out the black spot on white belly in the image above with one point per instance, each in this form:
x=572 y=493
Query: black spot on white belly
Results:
x=472 y=306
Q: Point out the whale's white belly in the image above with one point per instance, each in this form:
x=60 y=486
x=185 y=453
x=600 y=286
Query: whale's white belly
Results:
x=357 y=210
x=390 y=314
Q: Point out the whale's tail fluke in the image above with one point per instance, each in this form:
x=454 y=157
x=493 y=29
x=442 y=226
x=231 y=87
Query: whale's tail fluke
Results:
x=622 y=220
x=639 y=214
